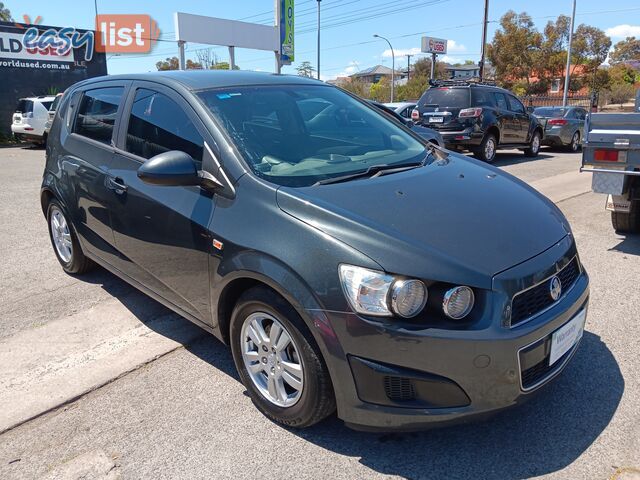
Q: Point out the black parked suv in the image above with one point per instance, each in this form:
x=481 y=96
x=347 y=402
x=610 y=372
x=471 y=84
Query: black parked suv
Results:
x=478 y=117
x=349 y=263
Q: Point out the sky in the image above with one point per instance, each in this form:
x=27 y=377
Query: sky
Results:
x=348 y=26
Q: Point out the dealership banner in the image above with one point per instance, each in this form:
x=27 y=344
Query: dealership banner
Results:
x=286 y=31
x=12 y=47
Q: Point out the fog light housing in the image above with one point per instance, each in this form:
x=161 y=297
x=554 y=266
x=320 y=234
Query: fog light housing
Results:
x=408 y=297
x=458 y=302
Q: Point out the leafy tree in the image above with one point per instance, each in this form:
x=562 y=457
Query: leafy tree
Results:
x=621 y=93
x=381 y=91
x=590 y=48
x=622 y=73
x=413 y=89
x=552 y=57
x=514 y=50
x=305 y=69
x=173 y=63
x=422 y=68
x=626 y=50
x=357 y=87
x=5 y=14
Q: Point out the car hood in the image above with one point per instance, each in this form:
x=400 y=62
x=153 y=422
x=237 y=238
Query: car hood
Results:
x=456 y=220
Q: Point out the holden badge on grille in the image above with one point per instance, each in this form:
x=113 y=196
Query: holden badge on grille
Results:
x=555 y=288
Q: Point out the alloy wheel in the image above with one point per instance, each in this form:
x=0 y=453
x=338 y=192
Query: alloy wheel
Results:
x=575 y=142
x=489 y=149
x=535 y=144
x=61 y=235
x=272 y=359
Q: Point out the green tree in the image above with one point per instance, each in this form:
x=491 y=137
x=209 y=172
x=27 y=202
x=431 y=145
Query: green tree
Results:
x=590 y=48
x=626 y=50
x=381 y=91
x=620 y=93
x=357 y=87
x=514 y=50
x=622 y=73
x=171 y=63
x=305 y=69
x=552 y=56
x=5 y=14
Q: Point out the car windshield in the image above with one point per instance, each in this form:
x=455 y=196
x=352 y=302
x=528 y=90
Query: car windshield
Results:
x=298 y=135
x=549 y=112
x=445 y=97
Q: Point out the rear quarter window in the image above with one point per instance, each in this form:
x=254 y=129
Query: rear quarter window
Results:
x=24 y=106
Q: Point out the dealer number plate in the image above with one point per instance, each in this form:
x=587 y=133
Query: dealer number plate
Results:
x=436 y=119
x=567 y=336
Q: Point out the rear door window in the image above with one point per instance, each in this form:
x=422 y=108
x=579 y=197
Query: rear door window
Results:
x=97 y=113
x=501 y=100
x=157 y=124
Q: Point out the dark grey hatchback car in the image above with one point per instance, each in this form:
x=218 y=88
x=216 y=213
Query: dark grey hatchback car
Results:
x=348 y=263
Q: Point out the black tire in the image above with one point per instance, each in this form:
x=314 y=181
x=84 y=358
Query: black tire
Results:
x=534 y=145
x=627 y=222
x=78 y=263
x=317 y=400
x=574 y=146
x=485 y=152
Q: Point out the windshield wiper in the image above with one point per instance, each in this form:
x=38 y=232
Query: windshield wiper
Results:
x=376 y=171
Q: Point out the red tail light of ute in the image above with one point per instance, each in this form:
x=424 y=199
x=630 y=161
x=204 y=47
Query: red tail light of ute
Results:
x=470 y=112
x=605 y=155
x=557 y=121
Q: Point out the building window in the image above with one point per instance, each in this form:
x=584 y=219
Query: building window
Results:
x=555 y=85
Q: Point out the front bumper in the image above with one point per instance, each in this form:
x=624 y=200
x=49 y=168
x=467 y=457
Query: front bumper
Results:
x=455 y=375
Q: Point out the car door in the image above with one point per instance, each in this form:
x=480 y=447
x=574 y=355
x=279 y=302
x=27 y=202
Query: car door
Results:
x=86 y=140
x=520 y=120
x=506 y=119
x=162 y=232
x=581 y=116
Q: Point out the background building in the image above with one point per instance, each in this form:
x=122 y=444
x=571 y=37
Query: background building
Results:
x=27 y=73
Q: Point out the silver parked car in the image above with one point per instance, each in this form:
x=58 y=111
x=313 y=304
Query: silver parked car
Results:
x=563 y=126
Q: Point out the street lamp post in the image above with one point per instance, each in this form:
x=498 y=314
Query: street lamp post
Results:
x=393 y=64
x=318 y=70
x=568 y=72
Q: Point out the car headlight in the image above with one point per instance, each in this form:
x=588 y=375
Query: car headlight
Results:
x=366 y=290
x=408 y=297
x=376 y=293
x=458 y=302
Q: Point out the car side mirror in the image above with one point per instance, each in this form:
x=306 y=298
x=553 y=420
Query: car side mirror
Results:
x=173 y=168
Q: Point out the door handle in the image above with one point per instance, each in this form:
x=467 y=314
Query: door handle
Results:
x=117 y=185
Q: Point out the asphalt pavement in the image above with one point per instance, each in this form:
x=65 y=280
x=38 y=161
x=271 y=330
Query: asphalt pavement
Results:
x=184 y=414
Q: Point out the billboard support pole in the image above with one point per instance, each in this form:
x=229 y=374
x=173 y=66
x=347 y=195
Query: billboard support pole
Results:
x=232 y=58
x=181 y=54
x=433 y=66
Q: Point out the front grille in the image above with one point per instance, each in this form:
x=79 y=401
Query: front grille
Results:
x=533 y=301
x=540 y=370
x=399 y=389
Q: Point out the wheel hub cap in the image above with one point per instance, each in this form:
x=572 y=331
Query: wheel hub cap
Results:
x=61 y=236
x=271 y=358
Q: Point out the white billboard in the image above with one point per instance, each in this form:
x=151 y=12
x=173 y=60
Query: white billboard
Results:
x=219 y=31
x=12 y=47
x=434 y=45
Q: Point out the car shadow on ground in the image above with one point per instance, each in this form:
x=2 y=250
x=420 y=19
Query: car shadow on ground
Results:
x=542 y=436
x=630 y=244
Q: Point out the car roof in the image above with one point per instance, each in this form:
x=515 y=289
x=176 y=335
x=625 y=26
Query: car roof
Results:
x=43 y=98
x=205 y=79
x=398 y=104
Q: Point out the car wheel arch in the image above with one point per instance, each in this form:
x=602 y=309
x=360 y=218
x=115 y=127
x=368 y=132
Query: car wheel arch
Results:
x=226 y=295
x=495 y=131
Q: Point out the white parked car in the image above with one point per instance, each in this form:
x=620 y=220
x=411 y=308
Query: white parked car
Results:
x=402 y=108
x=30 y=118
